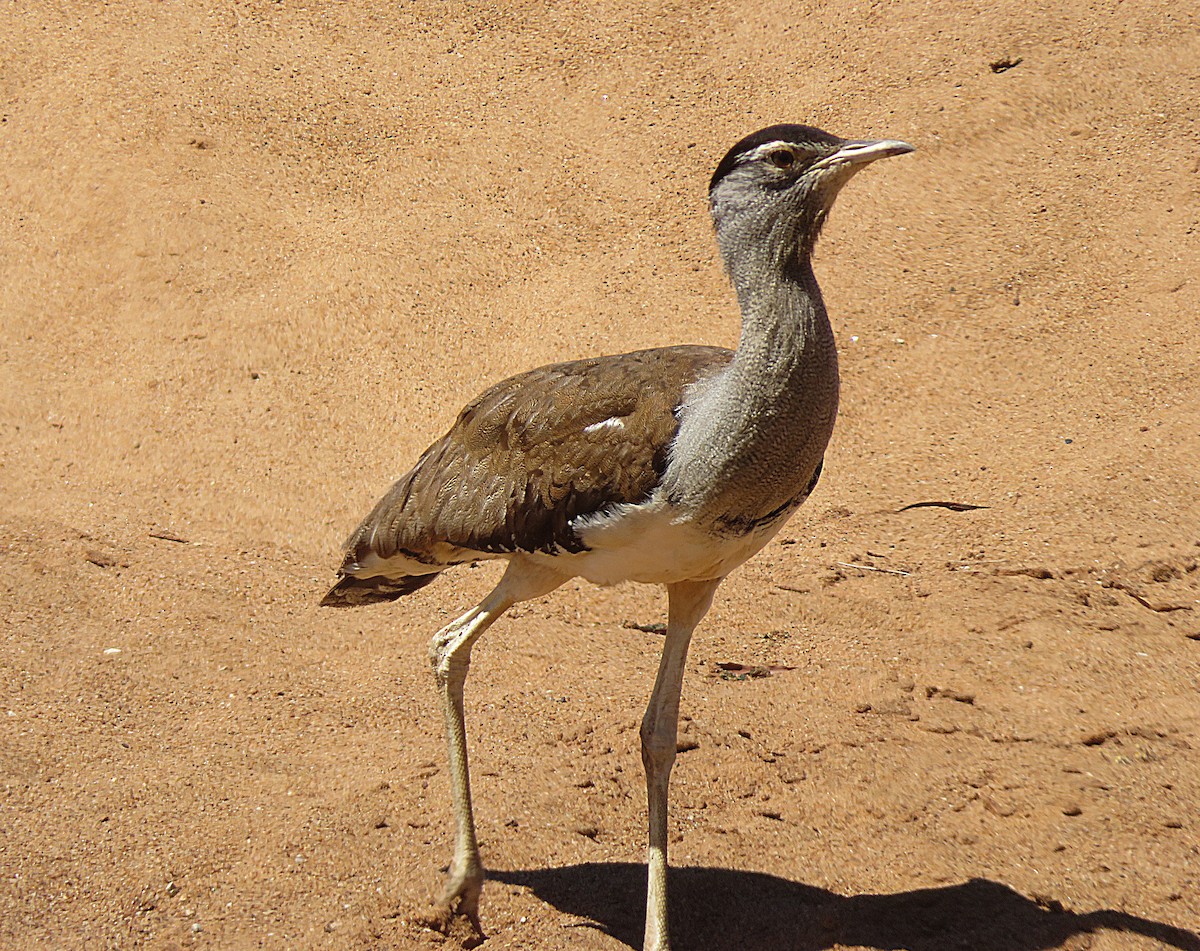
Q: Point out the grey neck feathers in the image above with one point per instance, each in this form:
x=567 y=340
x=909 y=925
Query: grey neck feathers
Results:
x=752 y=437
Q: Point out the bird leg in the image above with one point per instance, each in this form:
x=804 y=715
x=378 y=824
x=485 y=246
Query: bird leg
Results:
x=689 y=602
x=450 y=654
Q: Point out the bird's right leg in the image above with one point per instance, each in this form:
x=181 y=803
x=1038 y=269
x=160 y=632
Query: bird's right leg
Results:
x=450 y=654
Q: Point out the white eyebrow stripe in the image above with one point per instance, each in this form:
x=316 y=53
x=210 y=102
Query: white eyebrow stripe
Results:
x=760 y=150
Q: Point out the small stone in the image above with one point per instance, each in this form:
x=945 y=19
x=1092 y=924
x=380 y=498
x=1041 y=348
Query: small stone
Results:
x=893 y=707
x=173 y=889
x=1163 y=571
x=656 y=627
x=1039 y=572
x=1002 y=809
x=1072 y=809
x=950 y=694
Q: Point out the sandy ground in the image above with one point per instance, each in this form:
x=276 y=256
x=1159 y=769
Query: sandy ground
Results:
x=253 y=261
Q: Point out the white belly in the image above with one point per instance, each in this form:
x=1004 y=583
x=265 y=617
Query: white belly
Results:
x=653 y=543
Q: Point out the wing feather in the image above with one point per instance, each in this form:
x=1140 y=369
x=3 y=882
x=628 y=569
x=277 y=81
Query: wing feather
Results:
x=532 y=454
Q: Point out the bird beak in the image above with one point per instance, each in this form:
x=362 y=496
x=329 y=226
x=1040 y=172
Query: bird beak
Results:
x=862 y=151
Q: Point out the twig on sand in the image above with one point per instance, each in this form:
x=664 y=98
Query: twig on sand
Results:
x=886 y=571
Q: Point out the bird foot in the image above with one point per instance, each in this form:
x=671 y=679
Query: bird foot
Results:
x=452 y=920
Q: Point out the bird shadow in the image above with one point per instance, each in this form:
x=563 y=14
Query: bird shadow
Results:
x=715 y=909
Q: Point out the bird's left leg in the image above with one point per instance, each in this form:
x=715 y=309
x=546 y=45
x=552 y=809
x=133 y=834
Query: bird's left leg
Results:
x=450 y=654
x=689 y=602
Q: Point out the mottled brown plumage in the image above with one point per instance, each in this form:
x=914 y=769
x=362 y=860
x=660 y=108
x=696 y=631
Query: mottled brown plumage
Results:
x=522 y=461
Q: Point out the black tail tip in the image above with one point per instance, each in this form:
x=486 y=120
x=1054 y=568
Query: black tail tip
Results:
x=352 y=592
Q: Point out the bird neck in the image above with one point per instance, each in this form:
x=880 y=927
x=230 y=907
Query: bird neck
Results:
x=785 y=327
x=752 y=438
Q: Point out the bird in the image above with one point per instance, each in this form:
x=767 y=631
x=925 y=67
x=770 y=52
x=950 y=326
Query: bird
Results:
x=667 y=466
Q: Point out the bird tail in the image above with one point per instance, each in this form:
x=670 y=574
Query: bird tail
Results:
x=353 y=592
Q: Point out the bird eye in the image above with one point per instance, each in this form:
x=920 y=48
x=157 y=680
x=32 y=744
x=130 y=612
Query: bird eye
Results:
x=781 y=158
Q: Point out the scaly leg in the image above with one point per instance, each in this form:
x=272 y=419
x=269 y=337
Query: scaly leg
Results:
x=450 y=654
x=689 y=602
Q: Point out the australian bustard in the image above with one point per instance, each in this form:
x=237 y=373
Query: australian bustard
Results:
x=668 y=466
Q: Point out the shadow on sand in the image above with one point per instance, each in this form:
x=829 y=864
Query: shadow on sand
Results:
x=715 y=909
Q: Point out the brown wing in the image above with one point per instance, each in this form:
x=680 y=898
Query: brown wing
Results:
x=535 y=452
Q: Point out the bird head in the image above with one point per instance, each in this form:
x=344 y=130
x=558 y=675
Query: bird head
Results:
x=776 y=186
